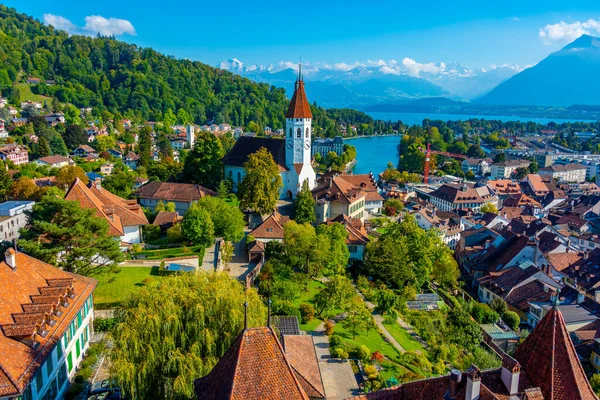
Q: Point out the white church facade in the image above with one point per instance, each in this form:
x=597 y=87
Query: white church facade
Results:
x=292 y=155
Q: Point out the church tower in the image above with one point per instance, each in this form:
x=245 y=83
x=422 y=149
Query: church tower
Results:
x=298 y=134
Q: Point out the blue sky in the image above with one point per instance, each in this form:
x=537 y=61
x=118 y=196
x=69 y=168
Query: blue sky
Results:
x=474 y=33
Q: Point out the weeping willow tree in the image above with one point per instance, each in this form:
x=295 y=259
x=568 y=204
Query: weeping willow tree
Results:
x=174 y=332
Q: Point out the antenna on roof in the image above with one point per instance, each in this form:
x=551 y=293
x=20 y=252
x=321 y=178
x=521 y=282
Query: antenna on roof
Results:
x=555 y=302
x=245 y=315
x=269 y=312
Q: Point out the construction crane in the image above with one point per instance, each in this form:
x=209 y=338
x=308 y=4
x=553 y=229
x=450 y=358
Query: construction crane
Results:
x=428 y=153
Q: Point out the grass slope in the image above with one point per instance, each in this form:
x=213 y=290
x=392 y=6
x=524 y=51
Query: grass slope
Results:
x=27 y=94
x=114 y=288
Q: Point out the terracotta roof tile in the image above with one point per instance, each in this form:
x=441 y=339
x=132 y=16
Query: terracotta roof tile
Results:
x=168 y=191
x=254 y=367
x=19 y=361
x=549 y=356
x=166 y=219
x=299 y=106
x=300 y=352
x=271 y=228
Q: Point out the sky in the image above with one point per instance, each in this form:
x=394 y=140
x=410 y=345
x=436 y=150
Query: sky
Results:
x=474 y=33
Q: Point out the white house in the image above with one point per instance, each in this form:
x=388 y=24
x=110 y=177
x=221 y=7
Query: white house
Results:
x=13 y=218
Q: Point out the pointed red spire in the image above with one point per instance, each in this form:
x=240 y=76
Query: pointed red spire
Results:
x=550 y=361
x=299 y=106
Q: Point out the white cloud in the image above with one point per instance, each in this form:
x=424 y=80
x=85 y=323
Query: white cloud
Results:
x=516 y=19
x=564 y=32
x=415 y=68
x=94 y=24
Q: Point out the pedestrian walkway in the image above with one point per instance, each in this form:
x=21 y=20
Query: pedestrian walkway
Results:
x=338 y=379
x=208 y=262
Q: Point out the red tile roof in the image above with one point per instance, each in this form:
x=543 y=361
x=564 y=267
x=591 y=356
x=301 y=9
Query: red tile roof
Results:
x=300 y=352
x=549 y=356
x=357 y=234
x=166 y=219
x=271 y=228
x=31 y=292
x=299 y=106
x=254 y=367
x=168 y=191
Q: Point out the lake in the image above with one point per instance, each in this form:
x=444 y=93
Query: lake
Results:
x=374 y=152
x=417 y=118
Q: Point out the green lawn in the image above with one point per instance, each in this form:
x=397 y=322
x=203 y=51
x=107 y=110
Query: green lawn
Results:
x=373 y=340
x=27 y=94
x=113 y=288
x=404 y=338
x=233 y=201
x=170 y=253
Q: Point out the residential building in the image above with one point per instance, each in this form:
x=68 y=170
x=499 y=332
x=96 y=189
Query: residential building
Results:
x=357 y=238
x=448 y=224
x=271 y=229
x=450 y=197
x=178 y=143
x=32 y=80
x=335 y=196
x=54 y=119
x=373 y=200
x=13 y=218
x=292 y=155
x=477 y=166
x=125 y=217
x=15 y=153
x=544 y=366
x=107 y=168
x=506 y=169
x=505 y=187
x=182 y=194
x=166 y=219
x=84 y=150
x=564 y=173
x=323 y=146
x=131 y=160
x=54 y=161
x=536 y=184
x=46 y=319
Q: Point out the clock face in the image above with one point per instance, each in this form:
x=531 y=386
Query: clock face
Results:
x=290 y=145
x=307 y=144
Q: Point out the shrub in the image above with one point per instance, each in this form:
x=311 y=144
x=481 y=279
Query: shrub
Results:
x=416 y=360
x=307 y=311
x=364 y=353
x=498 y=305
x=285 y=308
x=340 y=353
x=136 y=248
x=151 y=232
x=146 y=281
x=329 y=328
x=377 y=357
x=335 y=341
x=511 y=319
x=104 y=325
x=483 y=314
x=371 y=372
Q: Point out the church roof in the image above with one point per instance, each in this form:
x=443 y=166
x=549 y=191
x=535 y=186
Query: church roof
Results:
x=550 y=358
x=254 y=367
x=244 y=146
x=299 y=106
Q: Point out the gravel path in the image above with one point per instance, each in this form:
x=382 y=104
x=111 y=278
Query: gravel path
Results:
x=338 y=379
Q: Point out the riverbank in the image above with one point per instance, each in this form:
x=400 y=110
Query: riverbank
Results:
x=371 y=136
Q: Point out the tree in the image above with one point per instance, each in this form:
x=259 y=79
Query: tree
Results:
x=145 y=146
x=595 y=382
x=304 y=205
x=169 y=119
x=259 y=189
x=500 y=157
x=43 y=147
x=197 y=226
x=475 y=151
x=511 y=319
x=72 y=238
x=489 y=208
x=5 y=182
x=337 y=294
x=228 y=221
x=520 y=173
x=227 y=253
x=203 y=163
x=74 y=136
x=470 y=175
x=304 y=250
x=67 y=174
x=23 y=189
x=499 y=305
x=358 y=317
x=120 y=182
x=177 y=330
x=332 y=238
x=533 y=167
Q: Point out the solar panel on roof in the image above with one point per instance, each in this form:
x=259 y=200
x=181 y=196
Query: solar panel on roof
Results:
x=287 y=325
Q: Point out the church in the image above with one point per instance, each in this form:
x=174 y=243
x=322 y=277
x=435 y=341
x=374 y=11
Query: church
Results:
x=292 y=155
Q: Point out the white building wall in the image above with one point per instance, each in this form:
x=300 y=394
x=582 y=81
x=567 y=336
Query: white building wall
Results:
x=132 y=234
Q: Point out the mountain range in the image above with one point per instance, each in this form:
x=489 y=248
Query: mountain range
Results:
x=362 y=86
x=566 y=77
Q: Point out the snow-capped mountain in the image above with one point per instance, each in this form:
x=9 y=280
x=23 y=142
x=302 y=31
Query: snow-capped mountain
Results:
x=376 y=82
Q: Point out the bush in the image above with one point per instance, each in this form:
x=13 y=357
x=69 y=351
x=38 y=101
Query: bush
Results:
x=364 y=353
x=377 y=357
x=307 y=311
x=151 y=232
x=104 y=325
x=74 y=390
x=285 y=308
x=371 y=372
x=498 y=305
x=511 y=319
x=329 y=328
x=340 y=353
x=335 y=341
x=483 y=314
x=416 y=360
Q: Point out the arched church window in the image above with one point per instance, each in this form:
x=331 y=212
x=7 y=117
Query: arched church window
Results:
x=299 y=132
x=239 y=176
x=291 y=133
x=307 y=132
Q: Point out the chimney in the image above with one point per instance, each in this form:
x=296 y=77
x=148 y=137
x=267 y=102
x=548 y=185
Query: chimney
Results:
x=586 y=255
x=597 y=296
x=10 y=257
x=455 y=379
x=580 y=297
x=473 y=383
x=511 y=370
x=98 y=183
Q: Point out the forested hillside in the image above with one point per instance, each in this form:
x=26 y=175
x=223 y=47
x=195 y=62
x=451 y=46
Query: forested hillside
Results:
x=122 y=78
